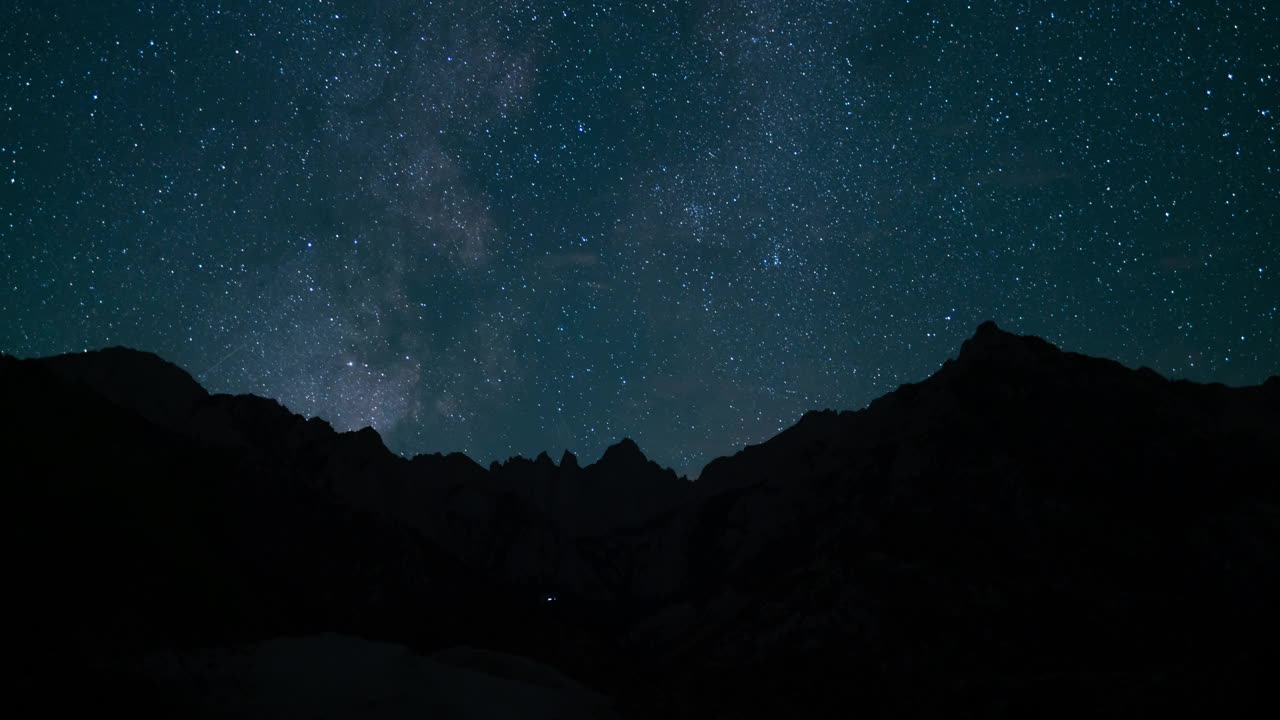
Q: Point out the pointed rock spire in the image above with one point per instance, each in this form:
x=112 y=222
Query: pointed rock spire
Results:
x=569 y=461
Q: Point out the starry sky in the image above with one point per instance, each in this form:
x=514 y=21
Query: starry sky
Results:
x=503 y=227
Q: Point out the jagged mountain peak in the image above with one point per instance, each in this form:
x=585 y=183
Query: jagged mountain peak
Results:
x=569 y=461
x=367 y=439
x=624 y=451
x=989 y=341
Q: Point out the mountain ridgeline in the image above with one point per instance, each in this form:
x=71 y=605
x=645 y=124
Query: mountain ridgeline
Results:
x=1026 y=532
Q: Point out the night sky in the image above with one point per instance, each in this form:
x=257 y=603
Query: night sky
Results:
x=508 y=227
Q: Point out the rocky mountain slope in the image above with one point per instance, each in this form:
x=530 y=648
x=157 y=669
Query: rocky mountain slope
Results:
x=1028 y=531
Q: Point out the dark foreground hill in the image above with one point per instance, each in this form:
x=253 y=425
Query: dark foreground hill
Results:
x=1028 y=532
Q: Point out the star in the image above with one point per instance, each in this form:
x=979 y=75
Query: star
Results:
x=514 y=230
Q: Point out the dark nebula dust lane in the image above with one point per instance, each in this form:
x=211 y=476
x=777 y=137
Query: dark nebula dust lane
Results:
x=508 y=227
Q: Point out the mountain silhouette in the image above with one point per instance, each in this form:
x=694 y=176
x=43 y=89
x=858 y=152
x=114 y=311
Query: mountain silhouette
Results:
x=1028 y=531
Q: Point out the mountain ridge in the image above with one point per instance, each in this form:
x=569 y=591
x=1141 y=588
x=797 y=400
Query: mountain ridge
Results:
x=988 y=341
x=1027 y=531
